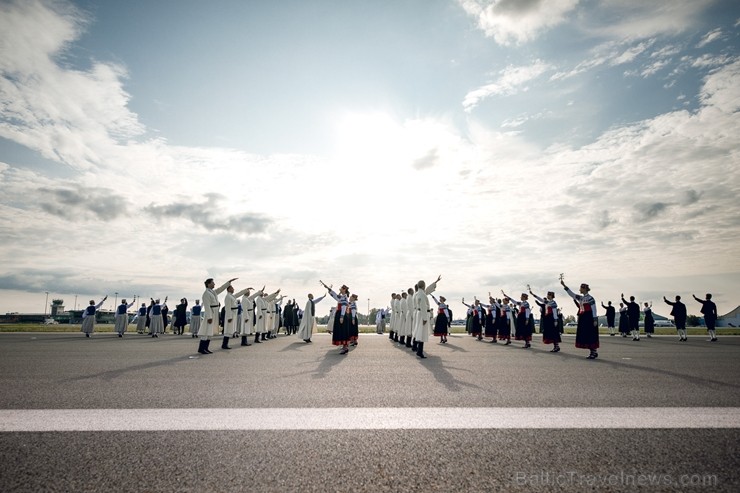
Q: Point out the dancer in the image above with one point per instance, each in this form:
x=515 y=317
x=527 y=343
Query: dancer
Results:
x=88 y=316
x=505 y=321
x=354 y=327
x=550 y=329
x=122 y=316
x=210 y=313
x=308 y=322
x=421 y=320
x=524 y=326
x=247 y=303
x=141 y=319
x=476 y=314
x=624 y=320
x=195 y=319
x=587 y=333
x=392 y=322
x=156 y=322
x=649 y=320
x=180 y=319
x=442 y=323
x=709 y=310
x=341 y=323
x=678 y=312
x=633 y=314
x=610 y=316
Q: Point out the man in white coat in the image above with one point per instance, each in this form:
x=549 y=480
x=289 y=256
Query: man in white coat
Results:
x=210 y=313
x=421 y=318
x=230 y=315
x=262 y=311
x=308 y=322
x=245 y=329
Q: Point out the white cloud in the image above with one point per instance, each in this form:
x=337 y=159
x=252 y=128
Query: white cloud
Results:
x=512 y=80
x=517 y=21
x=709 y=37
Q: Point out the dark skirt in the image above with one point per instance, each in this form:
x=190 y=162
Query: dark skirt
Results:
x=475 y=328
x=649 y=324
x=524 y=327
x=354 y=330
x=550 y=330
x=341 y=332
x=504 y=329
x=624 y=323
x=491 y=327
x=440 y=325
x=468 y=323
x=587 y=336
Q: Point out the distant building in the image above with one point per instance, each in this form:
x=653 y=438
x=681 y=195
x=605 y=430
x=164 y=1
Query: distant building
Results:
x=731 y=319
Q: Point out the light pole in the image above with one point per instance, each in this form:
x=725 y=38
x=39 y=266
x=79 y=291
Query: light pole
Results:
x=75 y=302
x=368 y=311
x=46 y=303
x=115 y=303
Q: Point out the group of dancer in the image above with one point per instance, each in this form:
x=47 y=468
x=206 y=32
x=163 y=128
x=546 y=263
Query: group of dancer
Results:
x=412 y=317
x=412 y=320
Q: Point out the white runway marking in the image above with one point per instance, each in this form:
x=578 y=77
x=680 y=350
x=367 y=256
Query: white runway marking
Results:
x=430 y=418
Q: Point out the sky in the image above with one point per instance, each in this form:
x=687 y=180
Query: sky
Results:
x=148 y=145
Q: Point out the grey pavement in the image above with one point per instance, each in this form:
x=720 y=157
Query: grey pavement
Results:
x=68 y=371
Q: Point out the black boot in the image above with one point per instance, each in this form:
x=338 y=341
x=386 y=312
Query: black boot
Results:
x=414 y=345
x=402 y=340
x=264 y=335
x=390 y=335
x=208 y=344
x=420 y=350
x=225 y=344
x=408 y=341
x=202 y=347
x=257 y=338
x=244 y=341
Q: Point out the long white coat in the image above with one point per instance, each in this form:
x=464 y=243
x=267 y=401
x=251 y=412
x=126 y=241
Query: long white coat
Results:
x=230 y=314
x=308 y=322
x=210 y=310
x=262 y=309
x=408 y=327
x=421 y=320
x=247 y=326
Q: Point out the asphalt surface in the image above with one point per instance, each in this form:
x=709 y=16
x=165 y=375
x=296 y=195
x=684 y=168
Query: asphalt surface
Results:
x=68 y=371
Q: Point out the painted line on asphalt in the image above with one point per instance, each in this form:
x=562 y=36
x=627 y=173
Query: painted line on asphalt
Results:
x=406 y=418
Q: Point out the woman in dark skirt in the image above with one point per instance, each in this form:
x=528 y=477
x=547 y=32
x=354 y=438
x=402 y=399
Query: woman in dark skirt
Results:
x=587 y=333
x=504 y=321
x=181 y=319
x=624 y=321
x=340 y=335
x=476 y=315
x=490 y=325
x=354 y=329
x=524 y=321
x=549 y=320
x=442 y=323
x=649 y=320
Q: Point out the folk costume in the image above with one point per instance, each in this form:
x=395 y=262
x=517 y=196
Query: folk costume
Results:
x=308 y=322
x=88 y=317
x=195 y=319
x=649 y=320
x=141 y=319
x=550 y=328
x=210 y=315
x=443 y=320
x=587 y=333
x=678 y=312
x=122 y=317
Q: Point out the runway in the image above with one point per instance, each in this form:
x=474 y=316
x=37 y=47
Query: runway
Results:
x=143 y=414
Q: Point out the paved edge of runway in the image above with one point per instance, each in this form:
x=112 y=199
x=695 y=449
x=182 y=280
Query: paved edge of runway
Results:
x=422 y=418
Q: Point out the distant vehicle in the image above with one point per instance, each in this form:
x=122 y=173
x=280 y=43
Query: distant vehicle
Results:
x=571 y=324
x=458 y=322
x=50 y=321
x=664 y=323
